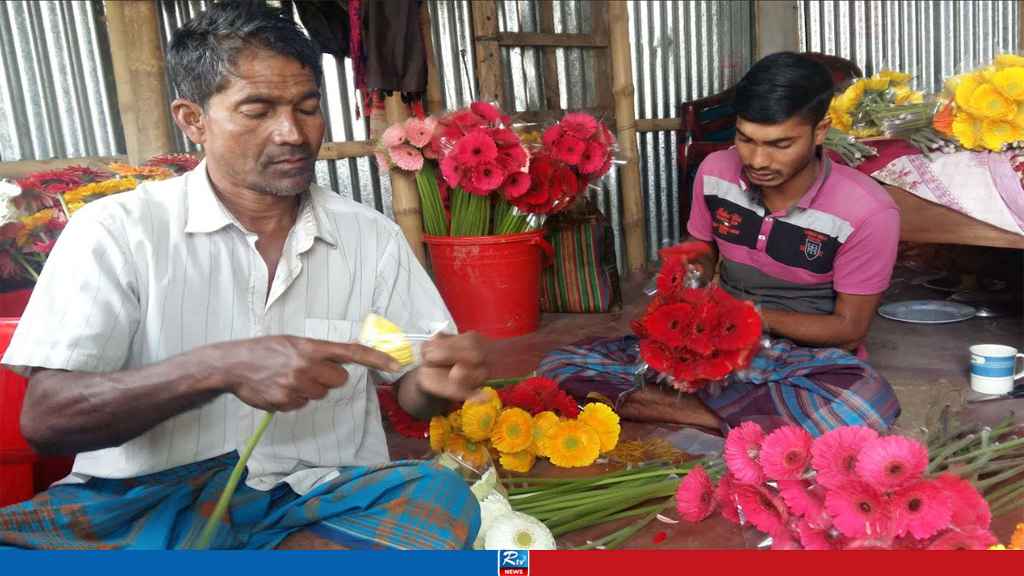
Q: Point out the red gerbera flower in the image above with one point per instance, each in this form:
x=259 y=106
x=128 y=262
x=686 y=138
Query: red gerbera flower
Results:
x=657 y=355
x=712 y=367
x=705 y=325
x=551 y=135
x=476 y=147
x=689 y=251
x=739 y=328
x=579 y=124
x=672 y=276
x=512 y=158
x=486 y=111
x=516 y=184
x=593 y=158
x=487 y=176
x=535 y=395
x=671 y=324
x=569 y=149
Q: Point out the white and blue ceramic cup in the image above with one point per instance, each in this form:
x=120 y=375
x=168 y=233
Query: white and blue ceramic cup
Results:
x=994 y=368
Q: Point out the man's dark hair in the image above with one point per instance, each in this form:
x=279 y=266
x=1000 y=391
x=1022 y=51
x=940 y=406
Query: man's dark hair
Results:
x=781 y=86
x=204 y=50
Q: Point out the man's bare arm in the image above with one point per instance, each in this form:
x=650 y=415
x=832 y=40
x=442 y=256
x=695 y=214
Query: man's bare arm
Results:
x=845 y=328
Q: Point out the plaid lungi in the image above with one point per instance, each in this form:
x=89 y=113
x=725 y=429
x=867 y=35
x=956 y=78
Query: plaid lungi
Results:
x=400 y=505
x=817 y=388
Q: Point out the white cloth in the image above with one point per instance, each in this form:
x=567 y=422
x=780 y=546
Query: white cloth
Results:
x=142 y=276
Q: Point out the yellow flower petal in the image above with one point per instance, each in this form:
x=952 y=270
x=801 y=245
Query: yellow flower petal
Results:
x=488 y=395
x=964 y=87
x=967 y=130
x=996 y=134
x=543 y=425
x=1010 y=82
x=986 y=101
x=894 y=76
x=876 y=84
x=455 y=419
x=513 y=432
x=1017 y=540
x=604 y=421
x=904 y=95
x=440 y=428
x=518 y=461
x=478 y=420
x=1007 y=60
x=573 y=444
x=472 y=454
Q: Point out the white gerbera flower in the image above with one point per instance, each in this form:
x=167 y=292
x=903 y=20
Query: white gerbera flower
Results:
x=491 y=508
x=8 y=191
x=518 y=531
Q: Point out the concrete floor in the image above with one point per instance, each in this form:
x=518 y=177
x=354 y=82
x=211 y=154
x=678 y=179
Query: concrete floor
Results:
x=926 y=364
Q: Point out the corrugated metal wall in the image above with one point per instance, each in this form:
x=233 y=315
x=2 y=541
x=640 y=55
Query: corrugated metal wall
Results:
x=929 y=39
x=57 y=97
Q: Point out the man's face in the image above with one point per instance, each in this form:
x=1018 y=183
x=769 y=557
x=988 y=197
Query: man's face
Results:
x=774 y=153
x=264 y=129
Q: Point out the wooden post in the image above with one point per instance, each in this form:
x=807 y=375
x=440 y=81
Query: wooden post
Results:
x=552 y=95
x=625 y=120
x=434 y=97
x=488 y=53
x=140 y=77
x=405 y=198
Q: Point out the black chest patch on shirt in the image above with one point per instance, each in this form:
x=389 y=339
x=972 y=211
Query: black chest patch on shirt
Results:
x=802 y=247
x=733 y=223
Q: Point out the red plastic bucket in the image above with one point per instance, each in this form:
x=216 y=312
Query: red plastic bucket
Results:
x=491 y=284
x=16 y=458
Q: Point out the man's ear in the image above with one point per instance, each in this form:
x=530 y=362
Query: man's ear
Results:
x=821 y=130
x=190 y=119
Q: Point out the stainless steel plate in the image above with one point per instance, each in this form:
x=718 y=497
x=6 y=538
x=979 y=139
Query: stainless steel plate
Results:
x=927 y=311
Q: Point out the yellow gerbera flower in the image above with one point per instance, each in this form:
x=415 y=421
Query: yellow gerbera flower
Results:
x=967 y=130
x=472 y=454
x=487 y=395
x=518 y=461
x=513 y=431
x=573 y=444
x=543 y=425
x=1010 y=82
x=604 y=421
x=144 y=172
x=31 y=222
x=99 y=189
x=894 y=77
x=904 y=95
x=876 y=84
x=964 y=87
x=1017 y=540
x=478 y=420
x=455 y=419
x=1007 y=60
x=996 y=134
x=864 y=132
x=74 y=207
x=988 y=102
x=440 y=428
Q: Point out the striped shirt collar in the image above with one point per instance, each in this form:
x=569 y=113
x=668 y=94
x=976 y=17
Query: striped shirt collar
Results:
x=207 y=214
x=824 y=169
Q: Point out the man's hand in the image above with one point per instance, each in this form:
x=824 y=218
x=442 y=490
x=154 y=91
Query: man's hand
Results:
x=283 y=373
x=453 y=369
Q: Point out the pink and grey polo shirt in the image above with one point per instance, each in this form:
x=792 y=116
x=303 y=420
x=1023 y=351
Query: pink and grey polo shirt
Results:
x=841 y=236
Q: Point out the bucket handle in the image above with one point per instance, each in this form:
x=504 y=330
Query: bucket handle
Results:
x=546 y=248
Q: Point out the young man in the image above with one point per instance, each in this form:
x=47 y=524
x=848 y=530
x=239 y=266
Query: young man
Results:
x=169 y=320
x=811 y=242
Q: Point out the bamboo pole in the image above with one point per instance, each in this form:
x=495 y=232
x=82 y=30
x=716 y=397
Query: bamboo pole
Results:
x=140 y=77
x=405 y=198
x=487 y=52
x=625 y=120
x=435 y=99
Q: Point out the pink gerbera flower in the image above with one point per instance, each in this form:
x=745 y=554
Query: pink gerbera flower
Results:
x=834 y=454
x=475 y=148
x=418 y=131
x=725 y=495
x=450 y=171
x=551 y=136
x=593 y=158
x=813 y=538
x=922 y=509
x=742 y=447
x=516 y=184
x=382 y=160
x=488 y=176
x=858 y=510
x=579 y=124
x=569 y=149
x=969 y=507
x=406 y=157
x=486 y=111
x=973 y=538
x=890 y=462
x=761 y=508
x=785 y=539
x=695 y=497
x=513 y=158
x=785 y=453
x=801 y=501
x=393 y=136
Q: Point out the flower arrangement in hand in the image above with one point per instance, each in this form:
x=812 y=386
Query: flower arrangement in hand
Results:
x=695 y=335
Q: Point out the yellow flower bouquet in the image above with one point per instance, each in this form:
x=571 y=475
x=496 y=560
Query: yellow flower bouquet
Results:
x=987 y=105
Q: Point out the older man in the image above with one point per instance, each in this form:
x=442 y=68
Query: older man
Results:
x=170 y=319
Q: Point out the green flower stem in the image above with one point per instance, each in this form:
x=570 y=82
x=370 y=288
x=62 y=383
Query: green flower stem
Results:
x=592 y=515
x=17 y=256
x=229 y=489
x=1008 y=500
x=563 y=501
x=946 y=452
x=1001 y=493
x=430 y=199
x=618 y=537
x=503 y=382
x=1002 y=477
x=997 y=447
x=634 y=497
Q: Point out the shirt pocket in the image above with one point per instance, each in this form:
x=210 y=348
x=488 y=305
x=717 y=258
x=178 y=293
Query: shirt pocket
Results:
x=342 y=331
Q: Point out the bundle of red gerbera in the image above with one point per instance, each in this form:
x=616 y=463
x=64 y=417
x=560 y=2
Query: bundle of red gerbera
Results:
x=539 y=394
x=695 y=335
x=848 y=489
x=581 y=142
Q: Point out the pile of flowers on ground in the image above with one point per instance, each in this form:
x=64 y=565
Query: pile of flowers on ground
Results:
x=35 y=209
x=986 y=109
x=695 y=335
x=530 y=420
x=848 y=489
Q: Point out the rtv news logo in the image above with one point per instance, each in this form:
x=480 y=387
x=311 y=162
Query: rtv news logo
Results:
x=513 y=563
